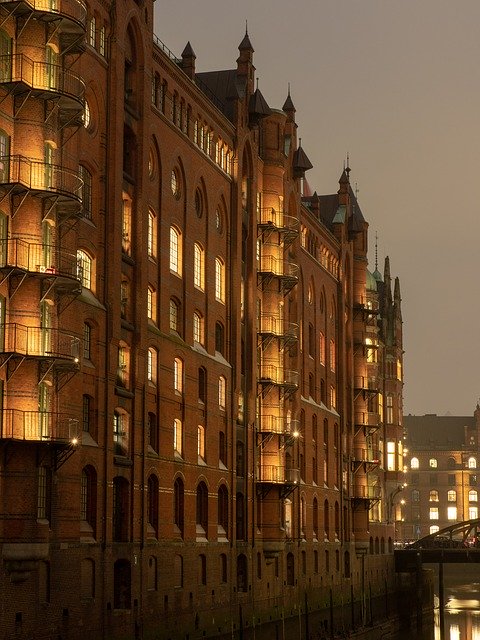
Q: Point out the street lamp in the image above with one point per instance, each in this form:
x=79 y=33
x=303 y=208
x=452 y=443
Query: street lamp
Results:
x=390 y=500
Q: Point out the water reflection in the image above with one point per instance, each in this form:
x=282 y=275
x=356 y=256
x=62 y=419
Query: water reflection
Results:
x=462 y=606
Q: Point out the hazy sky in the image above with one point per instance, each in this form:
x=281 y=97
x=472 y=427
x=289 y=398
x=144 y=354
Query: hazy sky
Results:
x=396 y=84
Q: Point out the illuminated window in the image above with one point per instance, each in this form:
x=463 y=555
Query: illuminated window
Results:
x=198 y=328
x=472 y=463
x=178 y=375
x=175 y=251
x=152 y=236
x=178 y=436
x=120 y=431
x=371 y=350
x=84 y=268
x=198 y=267
x=333 y=397
x=451 y=513
x=472 y=513
x=219 y=280
x=222 y=392
x=391 y=455
x=152 y=365
x=433 y=463
x=434 y=528
x=174 y=314
x=123 y=365
x=101 y=45
x=126 y=225
x=332 y=355
x=151 y=304
x=175 y=183
x=452 y=495
x=414 y=463
x=201 y=441
x=322 y=348
x=218 y=220
x=433 y=496
x=433 y=513
x=473 y=495
x=91 y=31
x=86 y=116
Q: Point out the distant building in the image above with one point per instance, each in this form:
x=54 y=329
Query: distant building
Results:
x=201 y=381
x=443 y=461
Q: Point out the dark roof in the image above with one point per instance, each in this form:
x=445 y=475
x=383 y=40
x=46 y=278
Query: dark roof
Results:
x=225 y=86
x=288 y=104
x=188 y=52
x=437 y=432
x=246 y=44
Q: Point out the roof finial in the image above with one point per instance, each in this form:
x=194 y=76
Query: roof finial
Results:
x=288 y=88
x=347 y=168
x=257 y=82
x=246 y=27
x=376 y=251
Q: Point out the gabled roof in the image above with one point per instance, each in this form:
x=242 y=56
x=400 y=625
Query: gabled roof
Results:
x=225 y=85
x=437 y=432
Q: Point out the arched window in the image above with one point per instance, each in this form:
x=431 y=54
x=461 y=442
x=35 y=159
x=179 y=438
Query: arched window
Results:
x=240 y=516
x=178 y=375
x=178 y=505
x=220 y=280
x=152 y=431
x=152 y=359
x=198 y=266
x=452 y=495
x=151 y=303
x=178 y=436
x=202 y=510
x=451 y=463
x=223 y=511
x=175 y=251
x=152 y=234
x=84 y=268
x=89 y=498
x=326 y=520
x=152 y=504
x=472 y=463
x=121 y=429
x=174 y=319
x=201 y=443
x=433 y=495
x=152 y=574
x=473 y=495
x=198 y=328
x=414 y=464
x=315 y=517
x=220 y=338
x=222 y=393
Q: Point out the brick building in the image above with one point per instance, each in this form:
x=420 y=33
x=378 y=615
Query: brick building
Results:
x=201 y=422
x=443 y=459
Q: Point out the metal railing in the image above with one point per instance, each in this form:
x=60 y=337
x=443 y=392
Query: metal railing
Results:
x=42 y=76
x=268 y=423
x=364 y=491
x=40 y=176
x=277 y=374
x=277 y=218
x=38 y=258
x=75 y=10
x=38 y=426
x=39 y=342
x=367 y=418
x=275 y=474
x=278 y=267
x=366 y=455
x=367 y=383
x=277 y=325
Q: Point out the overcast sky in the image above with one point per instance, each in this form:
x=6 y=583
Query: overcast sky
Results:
x=396 y=84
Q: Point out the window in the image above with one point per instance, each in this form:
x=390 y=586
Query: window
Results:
x=175 y=183
x=123 y=365
x=178 y=506
x=88 y=504
x=433 y=513
x=391 y=455
x=452 y=495
x=473 y=481
x=152 y=426
x=198 y=335
x=87 y=402
x=242 y=576
x=202 y=569
x=178 y=375
x=198 y=267
x=223 y=509
x=473 y=495
x=126 y=224
x=434 y=528
x=332 y=355
x=433 y=463
x=178 y=436
x=414 y=463
x=202 y=508
x=152 y=235
x=218 y=220
x=44 y=493
x=451 y=513
x=415 y=495
x=152 y=503
x=151 y=304
x=472 y=513
x=201 y=441
x=219 y=338
x=175 y=251
x=321 y=347
x=101 y=44
x=87 y=340
x=120 y=431
x=4 y=159
x=91 y=32
x=219 y=280
x=85 y=192
x=84 y=268
x=390 y=410
x=333 y=397
x=451 y=479
x=472 y=463
x=433 y=496
x=222 y=448
x=222 y=392
x=198 y=203
x=174 y=315
x=152 y=365
x=124 y=298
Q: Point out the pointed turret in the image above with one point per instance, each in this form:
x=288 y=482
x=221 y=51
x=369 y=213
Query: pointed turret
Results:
x=301 y=163
x=245 y=66
x=397 y=299
x=188 y=61
x=388 y=281
x=257 y=107
x=289 y=107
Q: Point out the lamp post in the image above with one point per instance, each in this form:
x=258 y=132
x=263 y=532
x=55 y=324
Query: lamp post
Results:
x=390 y=502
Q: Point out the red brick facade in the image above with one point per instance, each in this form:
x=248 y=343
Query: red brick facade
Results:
x=195 y=359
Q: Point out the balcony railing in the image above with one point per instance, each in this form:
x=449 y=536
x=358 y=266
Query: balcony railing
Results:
x=274 y=474
x=367 y=419
x=366 y=455
x=368 y=492
x=275 y=324
x=275 y=374
x=278 y=267
x=43 y=426
x=75 y=10
x=366 y=383
x=40 y=176
x=270 y=216
x=268 y=423
x=38 y=258
x=42 y=76
x=39 y=342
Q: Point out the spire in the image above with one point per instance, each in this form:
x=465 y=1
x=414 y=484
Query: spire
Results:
x=387 y=280
x=245 y=44
x=301 y=163
x=396 y=291
x=376 y=251
x=288 y=105
x=188 y=60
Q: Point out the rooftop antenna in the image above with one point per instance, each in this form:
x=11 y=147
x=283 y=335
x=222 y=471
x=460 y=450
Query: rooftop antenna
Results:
x=376 y=251
x=246 y=27
x=288 y=88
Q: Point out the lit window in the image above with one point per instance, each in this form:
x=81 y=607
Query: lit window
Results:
x=322 y=348
x=101 y=46
x=391 y=455
x=91 y=32
x=222 y=392
x=434 y=496
x=178 y=436
x=84 y=268
x=197 y=328
x=218 y=220
x=472 y=463
x=414 y=463
x=452 y=495
x=472 y=513
x=473 y=495
x=201 y=441
x=433 y=513
x=219 y=280
x=174 y=308
x=151 y=304
x=434 y=528
x=451 y=513
x=175 y=251
x=152 y=365
x=433 y=463
x=126 y=224
x=120 y=431
x=123 y=365
x=175 y=183
x=86 y=117
x=333 y=397
x=178 y=375
x=198 y=266
x=332 y=355
x=151 y=242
